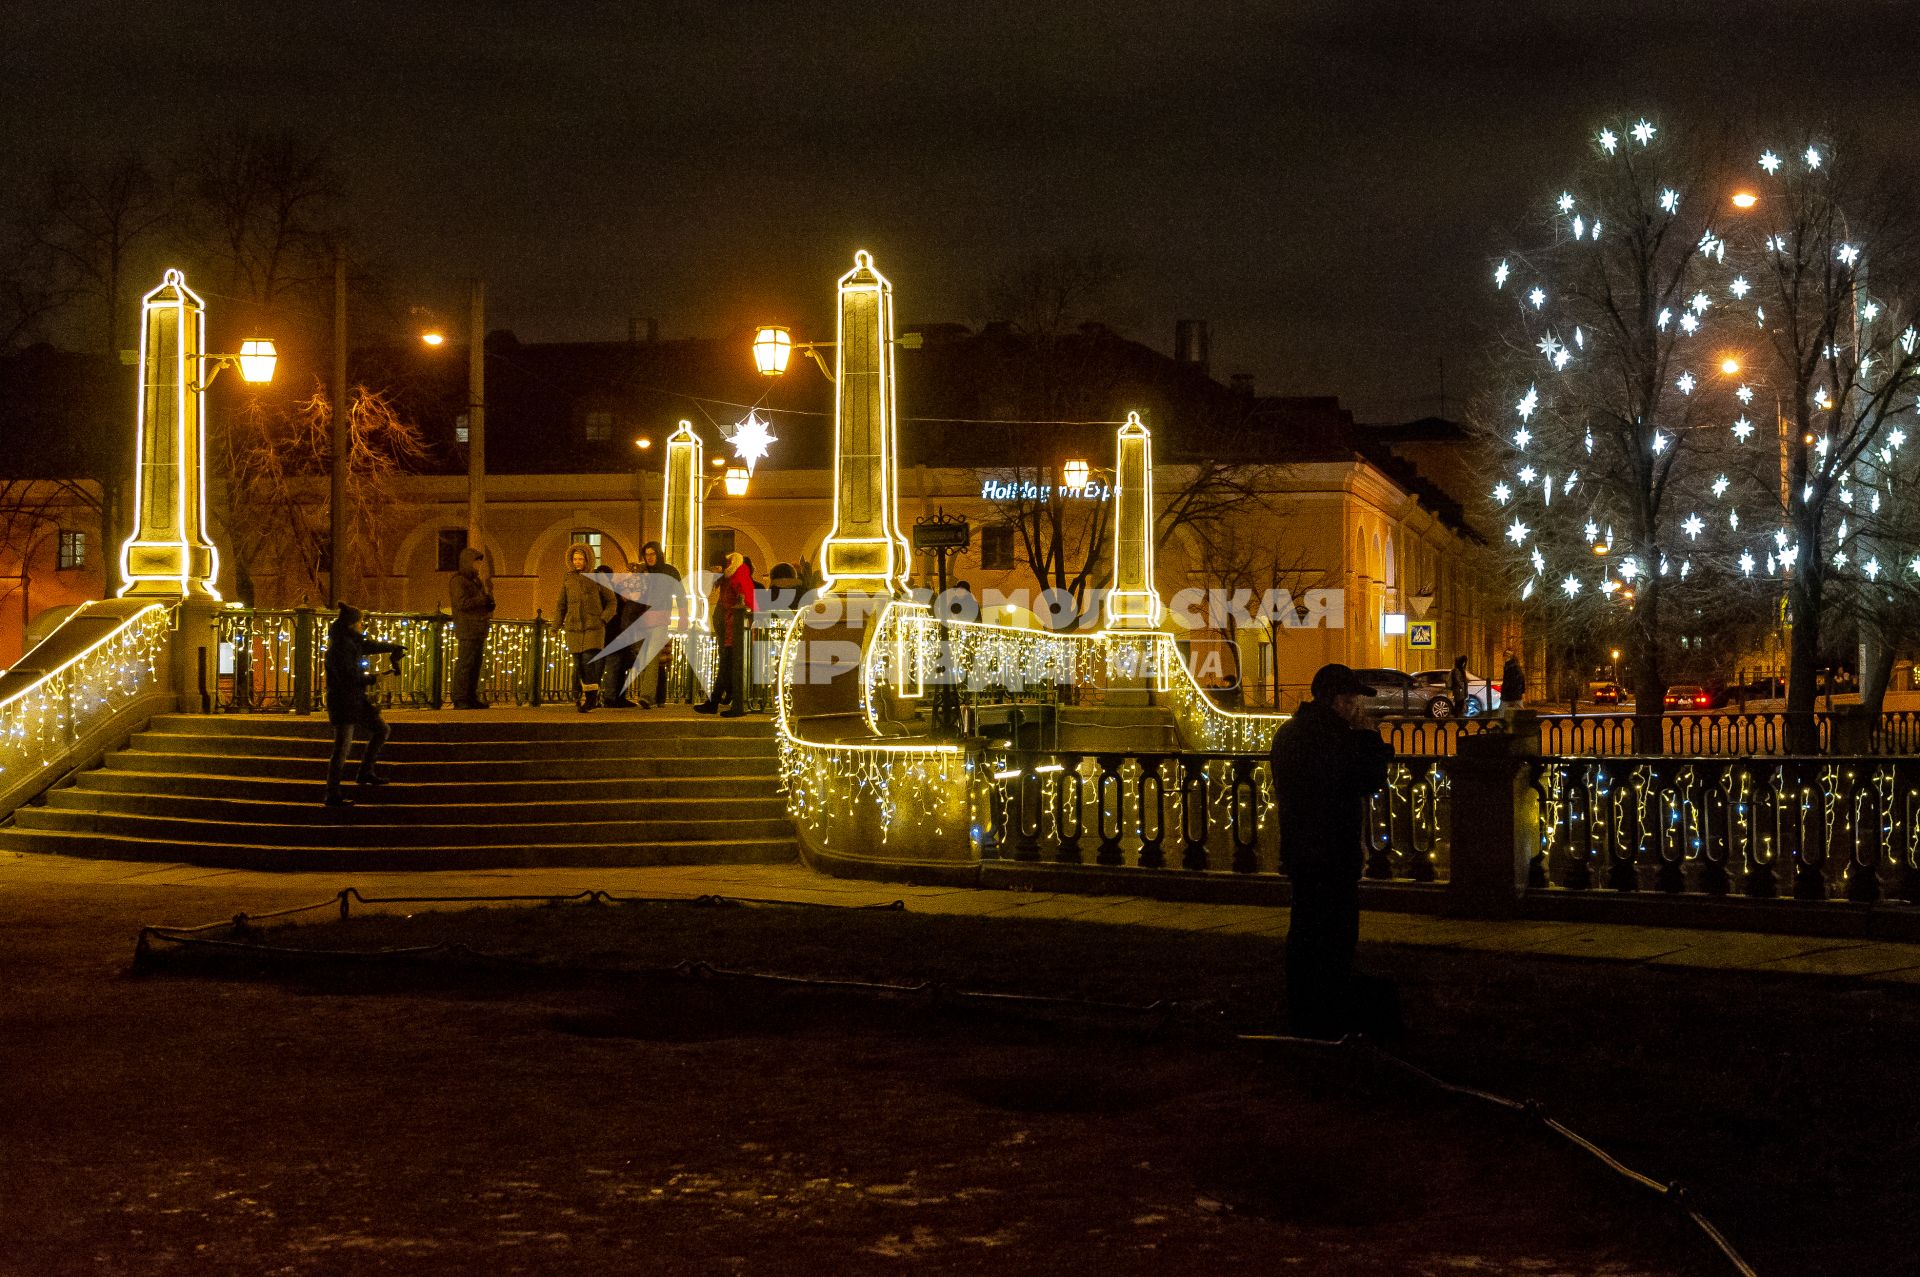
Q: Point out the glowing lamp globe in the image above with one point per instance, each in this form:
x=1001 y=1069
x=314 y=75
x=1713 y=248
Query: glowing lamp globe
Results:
x=1077 y=472
x=1745 y=199
x=1730 y=365
x=257 y=358
x=736 y=481
x=772 y=348
x=433 y=339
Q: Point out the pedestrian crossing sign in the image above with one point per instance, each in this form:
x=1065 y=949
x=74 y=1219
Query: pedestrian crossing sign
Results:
x=1420 y=634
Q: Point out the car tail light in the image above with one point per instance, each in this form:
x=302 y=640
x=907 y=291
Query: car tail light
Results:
x=1700 y=700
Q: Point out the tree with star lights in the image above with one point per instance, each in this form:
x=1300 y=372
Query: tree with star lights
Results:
x=1616 y=493
x=1829 y=246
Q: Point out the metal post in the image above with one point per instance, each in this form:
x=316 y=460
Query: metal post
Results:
x=337 y=489
x=476 y=410
x=303 y=626
x=537 y=665
x=437 y=663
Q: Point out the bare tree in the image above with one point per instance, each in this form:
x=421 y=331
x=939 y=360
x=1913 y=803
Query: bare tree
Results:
x=1611 y=420
x=1833 y=248
x=270 y=205
x=93 y=223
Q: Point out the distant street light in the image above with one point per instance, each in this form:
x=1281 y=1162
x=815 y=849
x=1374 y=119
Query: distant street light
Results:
x=772 y=348
x=737 y=478
x=434 y=338
x=1730 y=366
x=1077 y=472
x=1745 y=199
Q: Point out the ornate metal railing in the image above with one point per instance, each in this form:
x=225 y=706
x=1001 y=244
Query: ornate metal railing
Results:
x=275 y=661
x=1807 y=828
x=1721 y=734
x=1197 y=812
x=49 y=724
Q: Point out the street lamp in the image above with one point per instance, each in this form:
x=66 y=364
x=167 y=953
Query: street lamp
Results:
x=476 y=403
x=773 y=347
x=644 y=445
x=1744 y=200
x=736 y=480
x=1077 y=472
x=255 y=361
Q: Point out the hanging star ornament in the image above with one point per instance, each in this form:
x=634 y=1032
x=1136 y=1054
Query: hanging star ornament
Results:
x=1609 y=140
x=1643 y=132
x=752 y=440
x=1770 y=162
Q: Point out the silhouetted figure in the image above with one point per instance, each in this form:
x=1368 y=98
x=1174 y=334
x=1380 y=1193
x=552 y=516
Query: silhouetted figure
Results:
x=349 y=708
x=472 y=617
x=1457 y=686
x=1513 y=684
x=1324 y=769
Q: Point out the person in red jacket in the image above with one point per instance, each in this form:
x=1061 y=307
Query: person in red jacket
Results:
x=732 y=623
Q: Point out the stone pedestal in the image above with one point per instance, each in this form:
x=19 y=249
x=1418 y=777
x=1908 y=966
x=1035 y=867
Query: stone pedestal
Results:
x=1496 y=820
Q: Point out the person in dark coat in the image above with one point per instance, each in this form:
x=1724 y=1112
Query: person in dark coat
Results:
x=349 y=708
x=472 y=616
x=616 y=657
x=1457 y=686
x=664 y=602
x=1513 y=684
x=733 y=604
x=1324 y=769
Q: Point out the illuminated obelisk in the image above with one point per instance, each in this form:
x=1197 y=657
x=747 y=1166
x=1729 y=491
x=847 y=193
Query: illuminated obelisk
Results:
x=681 y=513
x=169 y=554
x=865 y=553
x=1133 y=603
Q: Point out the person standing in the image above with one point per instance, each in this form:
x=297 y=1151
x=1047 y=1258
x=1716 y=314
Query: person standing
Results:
x=616 y=656
x=732 y=616
x=1325 y=767
x=1457 y=686
x=1513 y=684
x=582 y=615
x=349 y=708
x=661 y=600
x=472 y=617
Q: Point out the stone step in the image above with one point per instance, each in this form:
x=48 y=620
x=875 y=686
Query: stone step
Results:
x=395 y=804
x=308 y=787
x=373 y=824
x=406 y=746
x=314 y=767
x=461 y=725
x=427 y=856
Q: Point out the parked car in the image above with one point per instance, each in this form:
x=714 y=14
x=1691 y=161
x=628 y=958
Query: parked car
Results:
x=1688 y=696
x=1401 y=695
x=1604 y=693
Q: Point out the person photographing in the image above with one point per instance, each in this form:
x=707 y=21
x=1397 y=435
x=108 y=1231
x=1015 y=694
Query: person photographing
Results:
x=349 y=708
x=1325 y=768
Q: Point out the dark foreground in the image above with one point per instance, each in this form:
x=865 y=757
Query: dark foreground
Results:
x=590 y=1117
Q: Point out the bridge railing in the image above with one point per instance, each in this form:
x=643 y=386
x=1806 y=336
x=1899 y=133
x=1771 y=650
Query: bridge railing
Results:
x=274 y=661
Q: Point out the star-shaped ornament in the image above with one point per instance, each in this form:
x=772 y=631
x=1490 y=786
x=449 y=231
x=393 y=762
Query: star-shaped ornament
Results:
x=1643 y=132
x=751 y=440
x=1609 y=140
x=1770 y=162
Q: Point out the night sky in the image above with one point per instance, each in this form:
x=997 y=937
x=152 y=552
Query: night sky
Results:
x=1322 y=181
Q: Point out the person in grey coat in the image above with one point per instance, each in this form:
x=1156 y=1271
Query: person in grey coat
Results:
x=472 y=616
x=582 y=615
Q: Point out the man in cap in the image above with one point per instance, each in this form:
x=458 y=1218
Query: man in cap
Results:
x=1325 y=766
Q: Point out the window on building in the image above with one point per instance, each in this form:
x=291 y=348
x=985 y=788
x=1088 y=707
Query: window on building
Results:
x=996 y=547
x=598 y=426
x=719 y=544
x=452 y=541
x=588 y=538
x=462 y=432
x=73 y=550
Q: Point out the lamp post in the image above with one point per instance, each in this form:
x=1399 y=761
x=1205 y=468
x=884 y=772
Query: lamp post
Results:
x=476 y=404
x=644 y=472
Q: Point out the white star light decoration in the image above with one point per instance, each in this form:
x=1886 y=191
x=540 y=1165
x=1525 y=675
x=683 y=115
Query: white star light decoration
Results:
x=1720 y=486
x=1538 y=297
x=1693 y=527
x=1528 y=402
x=1742 y=429
x=1744 y=394
x=1643 y=132
x=1686 y=383
x=1522 y=437
x=1570 y=585
x=1770 y=162
x=1609 y=140
x=1517 y=532
x=1847 y=254
x=751 y=440
x=1500 y=274
x=1501 y=492
x=1565 y=202
x=1813 y=157
x=1669 y=199
x=1739 y=286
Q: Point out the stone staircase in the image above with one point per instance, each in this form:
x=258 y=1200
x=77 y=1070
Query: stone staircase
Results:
x=469 y=791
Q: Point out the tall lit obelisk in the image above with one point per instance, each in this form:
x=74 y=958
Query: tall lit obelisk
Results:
x=682 y=513
x=1133 y=603
x=169 y=554
x=865 y=553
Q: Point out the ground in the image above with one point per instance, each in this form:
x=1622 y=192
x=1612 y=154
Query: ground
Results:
x=593 y=1117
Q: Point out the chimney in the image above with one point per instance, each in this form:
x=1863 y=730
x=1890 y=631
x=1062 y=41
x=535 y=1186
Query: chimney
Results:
x=1242 y=383
x=1191 y=340
x=636 y=326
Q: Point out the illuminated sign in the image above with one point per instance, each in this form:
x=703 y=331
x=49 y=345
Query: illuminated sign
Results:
x=1023 y=490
